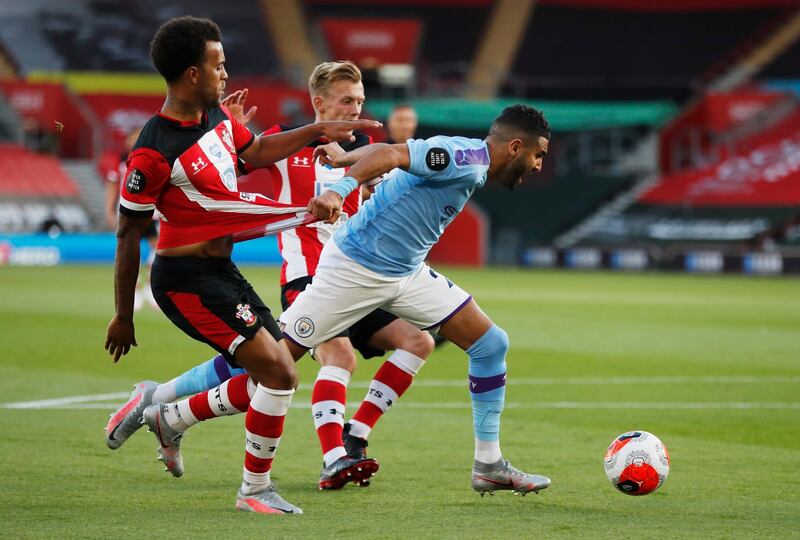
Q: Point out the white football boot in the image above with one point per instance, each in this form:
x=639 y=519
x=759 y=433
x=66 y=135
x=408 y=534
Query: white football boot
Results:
x=128 y=418
x=504 y=476
x=169 y=439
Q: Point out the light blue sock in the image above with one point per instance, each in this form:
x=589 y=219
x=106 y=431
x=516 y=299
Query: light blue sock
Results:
x=205 y=376
x=487 y=382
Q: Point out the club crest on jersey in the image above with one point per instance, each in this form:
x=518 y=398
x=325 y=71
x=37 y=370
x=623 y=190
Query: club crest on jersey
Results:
x=215 y=150
x=301 y=161
x=135 y=182
x=199 y=164
x=304 y=327
x=225 y=135
x=229 y=179
x=243 y=312
x=437 y=159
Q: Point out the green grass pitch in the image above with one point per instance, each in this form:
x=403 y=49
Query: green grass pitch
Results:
x=709 y=364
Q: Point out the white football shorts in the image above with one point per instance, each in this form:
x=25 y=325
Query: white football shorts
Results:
x=343 y=292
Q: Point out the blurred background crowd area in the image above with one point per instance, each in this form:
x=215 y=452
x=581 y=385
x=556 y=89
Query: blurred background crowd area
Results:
x=676 y=125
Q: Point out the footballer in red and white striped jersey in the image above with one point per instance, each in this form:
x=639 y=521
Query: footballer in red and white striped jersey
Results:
x=295 y=180
x=188 y=172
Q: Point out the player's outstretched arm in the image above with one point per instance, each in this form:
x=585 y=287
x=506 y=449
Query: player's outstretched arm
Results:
x=332 y=154
x=381 y=160
x=120 y=335
x=268 y=149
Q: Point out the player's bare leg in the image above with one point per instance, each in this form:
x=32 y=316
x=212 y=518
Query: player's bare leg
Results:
x=487 y=344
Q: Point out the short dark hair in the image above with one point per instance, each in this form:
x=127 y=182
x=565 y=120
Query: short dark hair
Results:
x=521 y=118
x=181 y=43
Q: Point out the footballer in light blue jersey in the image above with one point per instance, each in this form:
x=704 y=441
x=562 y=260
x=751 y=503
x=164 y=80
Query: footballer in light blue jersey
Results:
x=398 y=225
x=377 y=260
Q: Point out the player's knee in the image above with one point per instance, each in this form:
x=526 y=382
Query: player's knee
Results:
x=281 y=375
x=275 y=369
x=419 y=343
x=503 y=343
x=337 y=353
x=494 y=344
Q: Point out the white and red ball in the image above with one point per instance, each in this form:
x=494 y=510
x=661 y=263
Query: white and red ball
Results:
x=637 y=463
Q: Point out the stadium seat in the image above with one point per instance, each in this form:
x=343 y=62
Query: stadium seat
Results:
x=27 y=174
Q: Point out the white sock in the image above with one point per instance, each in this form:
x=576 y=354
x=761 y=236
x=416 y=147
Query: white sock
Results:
x=165 y=393
x=254 y=482
x=487 y=451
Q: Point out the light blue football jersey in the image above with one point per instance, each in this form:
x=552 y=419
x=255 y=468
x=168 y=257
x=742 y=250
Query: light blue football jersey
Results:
x=404 y=218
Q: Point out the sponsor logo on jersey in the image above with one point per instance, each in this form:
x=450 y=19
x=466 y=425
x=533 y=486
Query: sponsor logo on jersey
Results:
x=471 y=156
x=199 y=164
x=136 y=181
x=215 y=150
x=249 y=197
x=437 y=159
x=229 y=178
x=243 y=312
x=449 y=214
x=304 y=327
x=301 y=161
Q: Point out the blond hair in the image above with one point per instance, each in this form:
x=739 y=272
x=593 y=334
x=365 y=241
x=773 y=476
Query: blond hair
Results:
x=328 y=73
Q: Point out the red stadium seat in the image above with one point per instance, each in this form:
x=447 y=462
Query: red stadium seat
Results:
x=27 y=174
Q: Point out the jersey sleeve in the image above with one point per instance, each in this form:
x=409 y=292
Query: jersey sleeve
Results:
x=243 y=166
x=146 y=177
x=242 y=137
x=434 y=159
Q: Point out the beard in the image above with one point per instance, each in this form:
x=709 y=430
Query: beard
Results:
x=515 y=173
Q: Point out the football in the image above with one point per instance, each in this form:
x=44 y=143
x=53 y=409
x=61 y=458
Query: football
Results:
x=637 y=463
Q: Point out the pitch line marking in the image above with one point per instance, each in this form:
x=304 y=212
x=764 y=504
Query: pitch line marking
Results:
x=677 y=379
x=88 y=401
x=433 y=405
x=57 y=402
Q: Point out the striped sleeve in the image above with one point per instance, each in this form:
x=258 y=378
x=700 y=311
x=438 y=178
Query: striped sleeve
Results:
x=146 y=176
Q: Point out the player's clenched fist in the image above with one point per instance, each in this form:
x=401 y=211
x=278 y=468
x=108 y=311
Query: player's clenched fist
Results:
x=327 y=207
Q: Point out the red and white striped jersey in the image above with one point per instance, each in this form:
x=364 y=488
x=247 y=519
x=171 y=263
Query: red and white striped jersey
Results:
x=295 y=180
x=187 y=171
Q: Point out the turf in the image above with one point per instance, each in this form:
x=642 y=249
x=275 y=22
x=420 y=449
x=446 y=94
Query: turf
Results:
x=709 y=364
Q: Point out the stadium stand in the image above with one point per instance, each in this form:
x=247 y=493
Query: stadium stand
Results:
x=291 y=38
x=28 y=174
x=706 y=138
x=499 y=46
x=449 y=39
x=625 y=84
x=105 y=35
x=624 y=53
x=34 y=189
x=750 y=190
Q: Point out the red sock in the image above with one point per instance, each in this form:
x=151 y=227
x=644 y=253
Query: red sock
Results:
x=390 y=382
x=231 y=397
x=263 y=426
x=327 y=408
